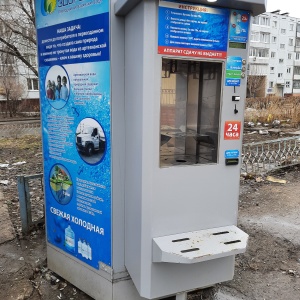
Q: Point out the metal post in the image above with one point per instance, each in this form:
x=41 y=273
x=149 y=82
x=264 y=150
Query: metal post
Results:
x=24 y=200
x=25 y=210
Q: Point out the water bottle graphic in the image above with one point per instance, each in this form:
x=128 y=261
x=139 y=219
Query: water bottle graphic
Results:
x=84 y=249
x=89 y=251
x=79 y=246
x=238 y=26
x=69 y=239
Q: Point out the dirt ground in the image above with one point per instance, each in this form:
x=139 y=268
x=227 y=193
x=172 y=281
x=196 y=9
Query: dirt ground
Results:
x=268 y=211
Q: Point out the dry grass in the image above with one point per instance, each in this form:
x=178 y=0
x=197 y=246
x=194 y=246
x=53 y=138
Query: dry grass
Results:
x=29 y=142
x=266 y=110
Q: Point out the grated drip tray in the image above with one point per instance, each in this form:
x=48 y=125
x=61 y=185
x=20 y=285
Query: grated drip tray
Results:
x=197 y=246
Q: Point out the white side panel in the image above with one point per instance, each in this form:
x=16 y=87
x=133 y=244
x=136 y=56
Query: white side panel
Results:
x=118 y=141
x=134 y=47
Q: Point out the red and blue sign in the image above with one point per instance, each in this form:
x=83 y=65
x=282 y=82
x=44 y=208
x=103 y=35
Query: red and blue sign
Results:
x=239 y=26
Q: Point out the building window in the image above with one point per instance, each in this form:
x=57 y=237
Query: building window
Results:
x=289 y=70
x=274 y=39
x=280 y=60
x=282 y=46
x=274 y=24
x=282 y=31
x=297 y=42
x=291 y=41
x=296 y=84
x=280 y=75
x=290 y=56
x=255 y=20
x=264 y=37
x=272 y=70
x=287 y=84
x=32 y=84
x=259 y=52
x=297 y=55
x=264 y=21
x=254 y=36
x=291 y=27
x=296 y=70
x=271 y=84
x=32 y=59
x=273 y=54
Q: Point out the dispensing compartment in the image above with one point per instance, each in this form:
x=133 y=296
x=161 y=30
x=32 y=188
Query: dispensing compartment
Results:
x=190 y=111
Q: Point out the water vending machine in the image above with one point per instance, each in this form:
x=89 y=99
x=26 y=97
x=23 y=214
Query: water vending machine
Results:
x=142 y=107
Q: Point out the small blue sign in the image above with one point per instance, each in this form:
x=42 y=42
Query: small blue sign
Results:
x=232 y=154
x=232 y=82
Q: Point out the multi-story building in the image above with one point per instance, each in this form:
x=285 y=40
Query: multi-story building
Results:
x=17 y=80
x=274 y=56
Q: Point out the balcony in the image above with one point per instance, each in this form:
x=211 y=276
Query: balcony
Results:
x=297 y=63
x=280 y=81
x=296 y=91
x=296 y=77
x=259 y=60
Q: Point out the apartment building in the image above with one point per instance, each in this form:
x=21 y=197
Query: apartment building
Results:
x=274 y=55
x=15 y=76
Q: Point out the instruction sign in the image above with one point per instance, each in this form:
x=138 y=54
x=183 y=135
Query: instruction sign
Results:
x=187 y=29
x=232 y=130
x=74 y=74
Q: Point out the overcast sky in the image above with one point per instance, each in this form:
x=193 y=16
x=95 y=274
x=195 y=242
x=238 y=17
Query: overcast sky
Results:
x=290 y=6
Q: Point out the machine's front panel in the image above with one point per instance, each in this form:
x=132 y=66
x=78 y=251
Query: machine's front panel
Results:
x=190 y=164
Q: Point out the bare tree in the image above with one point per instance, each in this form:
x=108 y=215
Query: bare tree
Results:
x=255 y=85
x=10 y=85
x=17 y=31
x=256 y=80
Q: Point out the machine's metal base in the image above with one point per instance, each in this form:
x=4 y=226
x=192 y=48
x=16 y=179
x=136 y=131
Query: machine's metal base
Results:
x=96 y=284
x=101 y=285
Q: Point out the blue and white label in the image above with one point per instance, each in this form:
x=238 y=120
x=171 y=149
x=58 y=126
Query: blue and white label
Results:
x=232 y=154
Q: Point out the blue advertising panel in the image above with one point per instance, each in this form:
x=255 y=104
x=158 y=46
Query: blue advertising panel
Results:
x=74 y=78
x=194 y=30
x=239 y=26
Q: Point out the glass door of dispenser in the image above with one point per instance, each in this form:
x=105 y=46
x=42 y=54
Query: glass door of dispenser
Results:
x=190 y=110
